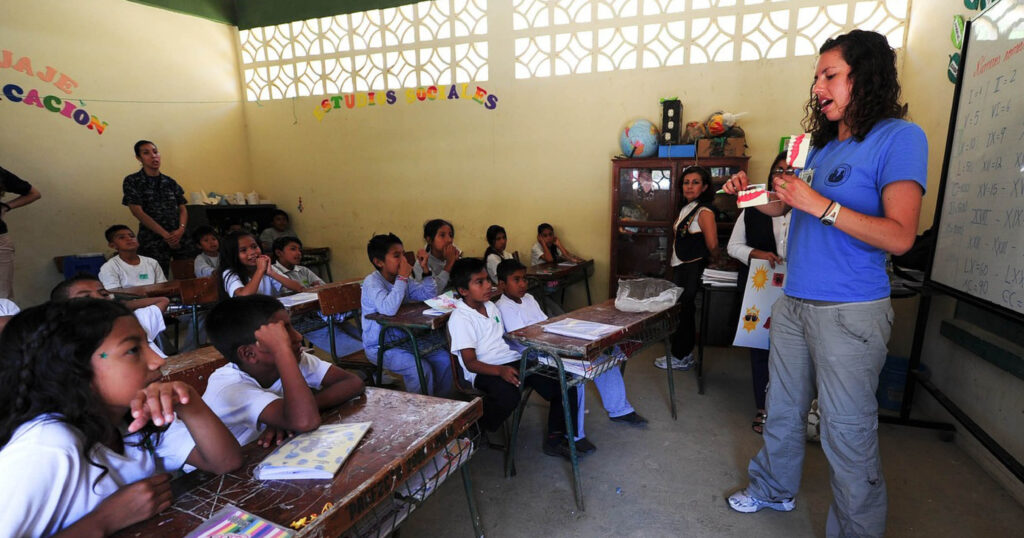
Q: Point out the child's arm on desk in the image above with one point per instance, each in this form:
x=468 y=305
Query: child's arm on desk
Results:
x=127 y=506
x=338 y=387
x=507 y=373
x=160 y=302
x=297 y=410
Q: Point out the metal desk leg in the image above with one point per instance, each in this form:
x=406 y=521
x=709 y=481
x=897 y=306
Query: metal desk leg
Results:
x=195 y=325
x=671 y=382
x=382 y=347
x=571 y=433
x=419 y=362
x=474 y=516
x=705 y=307
x=586 y=284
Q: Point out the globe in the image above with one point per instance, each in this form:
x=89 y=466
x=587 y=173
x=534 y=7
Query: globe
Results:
x=639 y=138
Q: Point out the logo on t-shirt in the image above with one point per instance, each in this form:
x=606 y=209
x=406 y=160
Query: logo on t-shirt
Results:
x=838 y=176
x=143 y=276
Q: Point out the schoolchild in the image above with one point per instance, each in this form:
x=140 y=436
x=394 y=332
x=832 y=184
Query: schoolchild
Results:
x=384 y=291
x=266 y=385
x=245 y=270
x=127 y=268
x=491 y=365
x=89 y=433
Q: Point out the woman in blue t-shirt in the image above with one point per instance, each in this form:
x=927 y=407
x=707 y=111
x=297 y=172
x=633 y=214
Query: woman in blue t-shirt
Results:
x=857 y=199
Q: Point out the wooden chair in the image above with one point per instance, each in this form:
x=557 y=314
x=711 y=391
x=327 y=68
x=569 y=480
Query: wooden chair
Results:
x=197 y=293
x=340 y=300
x=183 y=269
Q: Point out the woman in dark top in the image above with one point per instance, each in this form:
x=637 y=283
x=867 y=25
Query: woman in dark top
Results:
x=695 y=240
x=26 y=195
x=159 y=204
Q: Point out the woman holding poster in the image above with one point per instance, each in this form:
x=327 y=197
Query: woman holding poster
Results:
x=759 y=236
x=857 y=198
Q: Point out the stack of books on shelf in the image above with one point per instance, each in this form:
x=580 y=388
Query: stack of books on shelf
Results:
x=719 y=278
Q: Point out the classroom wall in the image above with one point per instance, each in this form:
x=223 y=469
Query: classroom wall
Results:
x=543 y=154
x=148 y=73
x=990 y=396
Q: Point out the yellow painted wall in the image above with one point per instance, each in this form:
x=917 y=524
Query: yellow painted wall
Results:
x=542 y=155
x=118 y=52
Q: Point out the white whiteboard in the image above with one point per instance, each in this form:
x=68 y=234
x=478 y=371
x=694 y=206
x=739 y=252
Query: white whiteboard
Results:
x=979 y=247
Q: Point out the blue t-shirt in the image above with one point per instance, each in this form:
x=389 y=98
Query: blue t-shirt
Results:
x=827 y=264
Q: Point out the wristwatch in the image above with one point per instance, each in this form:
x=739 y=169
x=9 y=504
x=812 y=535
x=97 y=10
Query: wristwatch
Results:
x=829 y=218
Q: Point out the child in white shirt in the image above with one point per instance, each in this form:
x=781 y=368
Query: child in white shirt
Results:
x=266 y=384
x=128 y=268
x=491 y=365
x=89 y=431
x=497 y=243
x=519 y=309
x=245 y=270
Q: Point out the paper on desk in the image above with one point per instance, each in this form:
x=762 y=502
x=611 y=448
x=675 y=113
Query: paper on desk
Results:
x=578 y=328
x=444 y=302
x=290 y=301
x=567 y=264
x=435 y=312
x=312 y=455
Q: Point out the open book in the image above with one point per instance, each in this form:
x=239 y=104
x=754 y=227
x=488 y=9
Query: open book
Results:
x=578 y=328
x=312 y=455
x=442 y=304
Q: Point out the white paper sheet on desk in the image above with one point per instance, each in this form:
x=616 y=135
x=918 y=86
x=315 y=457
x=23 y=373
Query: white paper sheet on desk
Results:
x=567 y=264
x=304 y=297
x=435 y=312
x=444 y=302
x=578 y=328
x=312 y=455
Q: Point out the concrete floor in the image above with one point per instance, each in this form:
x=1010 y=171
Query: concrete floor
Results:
x=671 y=479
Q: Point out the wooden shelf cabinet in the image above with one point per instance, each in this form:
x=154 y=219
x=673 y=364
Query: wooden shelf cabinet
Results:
x=646 y=199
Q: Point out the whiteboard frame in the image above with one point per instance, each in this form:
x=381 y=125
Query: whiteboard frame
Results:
x=958 y=294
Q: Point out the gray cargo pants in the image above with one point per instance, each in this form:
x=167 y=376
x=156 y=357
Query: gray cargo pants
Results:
x=838 y=349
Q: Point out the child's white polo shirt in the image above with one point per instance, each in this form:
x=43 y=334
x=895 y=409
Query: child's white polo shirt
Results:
x=238 y=399
x=471 y=329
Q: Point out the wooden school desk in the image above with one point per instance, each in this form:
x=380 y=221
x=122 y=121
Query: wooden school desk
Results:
x=411 y=320
x=638 y=328
x=193 y=367
x=563 y=274
x=171 y=288
x=408 y=431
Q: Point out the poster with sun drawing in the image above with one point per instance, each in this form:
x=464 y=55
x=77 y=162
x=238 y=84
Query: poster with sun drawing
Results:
x=762 y=288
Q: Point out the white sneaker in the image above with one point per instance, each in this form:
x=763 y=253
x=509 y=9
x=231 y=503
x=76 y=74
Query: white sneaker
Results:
x=742 y=502
x=684 y=363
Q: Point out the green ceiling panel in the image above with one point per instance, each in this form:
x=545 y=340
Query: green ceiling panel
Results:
x=214 y=10
x=256 y=13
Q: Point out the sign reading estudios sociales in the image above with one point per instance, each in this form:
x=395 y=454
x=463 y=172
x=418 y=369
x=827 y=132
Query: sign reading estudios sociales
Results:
x=23 y=93
x=449 y=92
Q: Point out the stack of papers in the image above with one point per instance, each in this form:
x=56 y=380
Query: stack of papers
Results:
x=714 y=277
x=442 y=304
x=578 y=328
x=312 y=455
x=233 y=521
x=291 y=301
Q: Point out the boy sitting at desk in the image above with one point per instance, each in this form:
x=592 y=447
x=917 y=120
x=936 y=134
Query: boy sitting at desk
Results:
x=384 y=291
x=519 y=309
x=288 y=254
x=148 y=310
x=267 y=381
x=492 y=366
x=208 y=261
x=128 y=268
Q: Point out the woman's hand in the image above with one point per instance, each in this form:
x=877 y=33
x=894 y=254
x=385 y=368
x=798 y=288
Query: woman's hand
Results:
x=799 y=195
x=771 y=257
x=262 y=264
x=736 y=183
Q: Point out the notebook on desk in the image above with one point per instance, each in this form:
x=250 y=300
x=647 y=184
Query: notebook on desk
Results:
x=578 y=328
x=312 y=455
x=290 y=301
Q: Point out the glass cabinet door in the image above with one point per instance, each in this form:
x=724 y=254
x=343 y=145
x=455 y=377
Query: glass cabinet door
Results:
x=645 y=194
